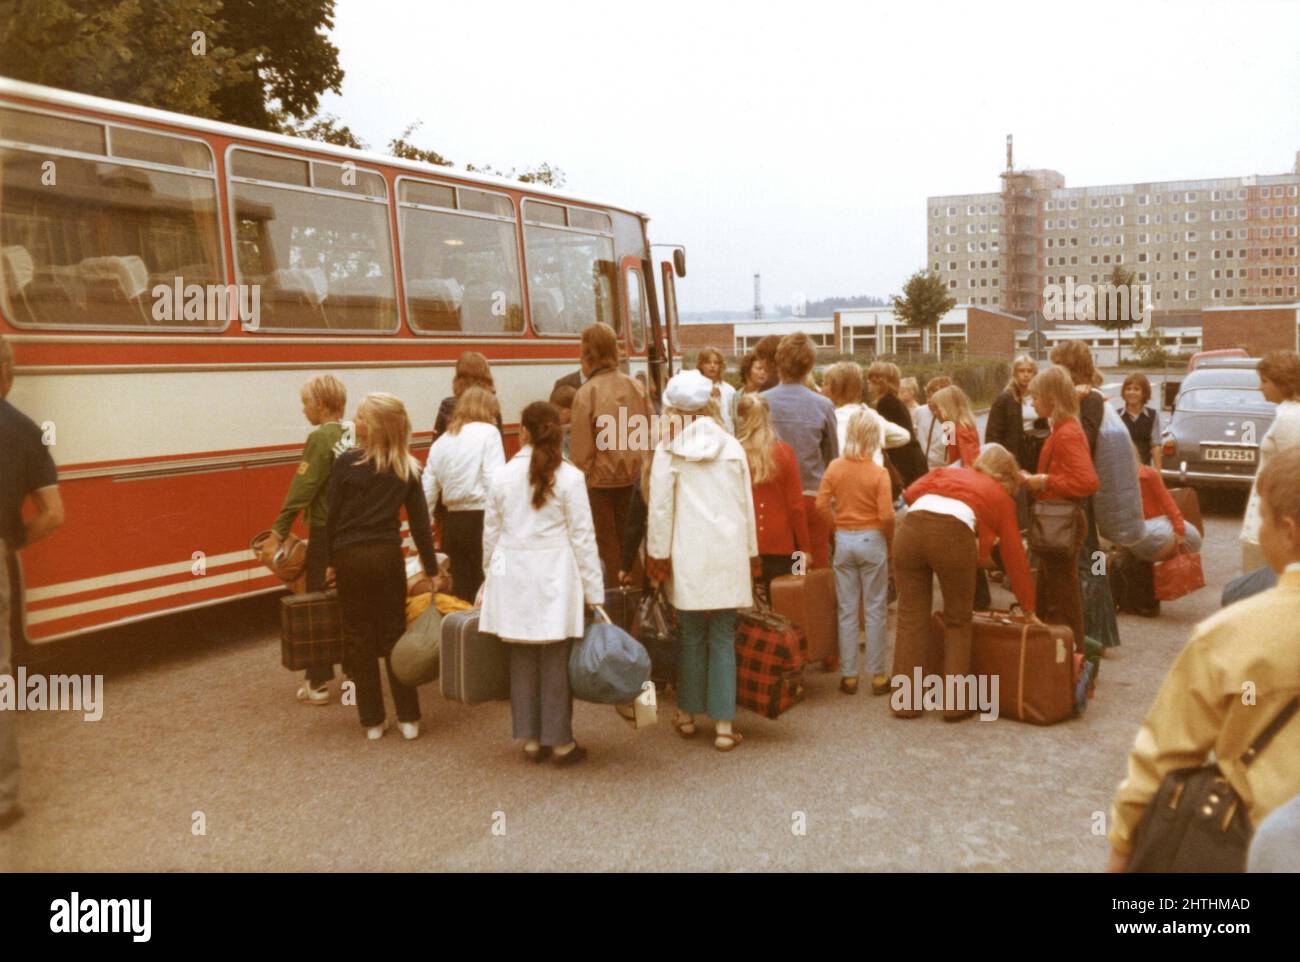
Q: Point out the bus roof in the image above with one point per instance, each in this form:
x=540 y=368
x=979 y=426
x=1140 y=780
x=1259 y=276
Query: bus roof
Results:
x=68 y=98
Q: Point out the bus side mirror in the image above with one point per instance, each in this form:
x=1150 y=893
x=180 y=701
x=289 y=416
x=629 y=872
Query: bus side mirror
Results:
x=679 y=261
x=1170 y=389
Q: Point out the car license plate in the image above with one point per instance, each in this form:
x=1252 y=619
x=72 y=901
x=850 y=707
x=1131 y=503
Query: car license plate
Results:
x=1238 y=455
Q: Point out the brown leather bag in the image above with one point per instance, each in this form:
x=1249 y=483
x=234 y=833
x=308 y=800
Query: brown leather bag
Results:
x=286 y=559
x=809 y=601
x=1052 y=530
x=1190 y=506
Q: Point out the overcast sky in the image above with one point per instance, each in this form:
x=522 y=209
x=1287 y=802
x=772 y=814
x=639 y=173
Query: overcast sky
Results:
x=801 y=140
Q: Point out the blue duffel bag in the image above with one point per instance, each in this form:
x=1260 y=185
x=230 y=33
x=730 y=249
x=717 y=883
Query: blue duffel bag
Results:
x=609 y=666
x=1117 y=505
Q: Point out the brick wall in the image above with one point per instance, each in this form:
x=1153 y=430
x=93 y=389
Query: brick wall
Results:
x=1257 y=329
x=696 y=336
x=991 y=335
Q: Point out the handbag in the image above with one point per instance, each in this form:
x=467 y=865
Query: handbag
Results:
x=654 y=625
x=286 y=559
x=608 y=666
x=1052 y=527
x=1180 y=575
x=1196 y=822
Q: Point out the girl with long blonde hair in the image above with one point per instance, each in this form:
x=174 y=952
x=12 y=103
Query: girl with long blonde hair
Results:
x=960 y=429
x=779 y=506
x=369 y=487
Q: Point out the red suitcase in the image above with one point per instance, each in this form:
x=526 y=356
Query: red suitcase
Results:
x=1034 y=665
x=809 y=601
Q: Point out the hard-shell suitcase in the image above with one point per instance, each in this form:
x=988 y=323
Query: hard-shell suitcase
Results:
x=809 y=601
x=769 y=661
x=475 y=666
x=1190 y=506
x=1034 y=665
x=311 y=630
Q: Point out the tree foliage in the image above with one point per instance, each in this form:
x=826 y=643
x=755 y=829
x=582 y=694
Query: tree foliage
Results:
x=1119 y=315
x=924 y=301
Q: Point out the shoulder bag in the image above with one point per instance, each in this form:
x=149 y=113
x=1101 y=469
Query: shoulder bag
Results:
x=1196 y=822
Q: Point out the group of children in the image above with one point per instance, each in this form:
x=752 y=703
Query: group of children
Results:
x=740 y=487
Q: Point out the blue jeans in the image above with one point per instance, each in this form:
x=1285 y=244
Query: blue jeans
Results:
x=1160 y=535
x=706 y=673
x=862 y=577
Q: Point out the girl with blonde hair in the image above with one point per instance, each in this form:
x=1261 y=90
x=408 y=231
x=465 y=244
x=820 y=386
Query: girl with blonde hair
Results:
x=955 y=516
x=883 y=380
x=1065 y=473
x=958 y=421
x=472 y=370
x=778 y=497
x=459 y=473
x=856 y=492
x=1013 y=422
x=844 y=388
x=369 y=488
x=713 y=365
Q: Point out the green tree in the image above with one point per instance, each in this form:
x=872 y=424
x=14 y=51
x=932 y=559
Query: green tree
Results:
x=250 y=62
x=325 y=128
x=401 y=146
x=924 y=301
x=1119 y=313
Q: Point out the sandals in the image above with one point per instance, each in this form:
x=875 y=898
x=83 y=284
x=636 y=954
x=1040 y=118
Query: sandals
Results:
x=684 y=728
x=627 y=713
x=726 y=741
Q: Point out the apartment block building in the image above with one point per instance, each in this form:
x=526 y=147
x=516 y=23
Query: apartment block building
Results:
x=1197 y=243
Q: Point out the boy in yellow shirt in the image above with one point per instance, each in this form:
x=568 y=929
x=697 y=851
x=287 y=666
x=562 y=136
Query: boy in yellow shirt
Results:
x=1238 y=671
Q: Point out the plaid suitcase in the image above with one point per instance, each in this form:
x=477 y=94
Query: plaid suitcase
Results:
x=770 y=654
x=475 y=666
x=311 y=630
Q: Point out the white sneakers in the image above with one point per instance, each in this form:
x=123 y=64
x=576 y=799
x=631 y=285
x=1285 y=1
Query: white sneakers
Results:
x=314 y=696
x=410 y=730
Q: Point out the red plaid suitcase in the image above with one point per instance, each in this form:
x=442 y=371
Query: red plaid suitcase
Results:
x=311 y=630
x=770 y=652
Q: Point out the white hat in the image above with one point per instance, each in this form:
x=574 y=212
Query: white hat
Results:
x=688 y=391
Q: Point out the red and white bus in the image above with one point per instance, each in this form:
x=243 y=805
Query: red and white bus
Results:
x=176 y=430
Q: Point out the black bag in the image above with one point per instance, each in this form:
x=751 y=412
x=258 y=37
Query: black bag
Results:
x=655 y=626
x=1196 y=822
x=1133 y=584
x=621 y=606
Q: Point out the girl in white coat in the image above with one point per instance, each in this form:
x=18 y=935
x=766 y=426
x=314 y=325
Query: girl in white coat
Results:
x=701 y=540
x=541 y=562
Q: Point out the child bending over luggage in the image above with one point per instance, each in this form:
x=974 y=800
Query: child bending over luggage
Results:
x=855 y=493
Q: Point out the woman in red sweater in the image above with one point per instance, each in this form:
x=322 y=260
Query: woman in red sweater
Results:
x=954 y=517
x=1166 y=528
x=1065 y=473
x=779 y=511
x=959 y=427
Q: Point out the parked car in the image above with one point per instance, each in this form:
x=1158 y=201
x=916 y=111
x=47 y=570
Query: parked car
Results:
x=1219 y=418
x=1201 y=357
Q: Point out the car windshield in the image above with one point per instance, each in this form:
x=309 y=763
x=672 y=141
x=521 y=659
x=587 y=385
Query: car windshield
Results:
x=1223 y=399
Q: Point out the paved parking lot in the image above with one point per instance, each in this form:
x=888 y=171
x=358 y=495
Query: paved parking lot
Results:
x=201 y=723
